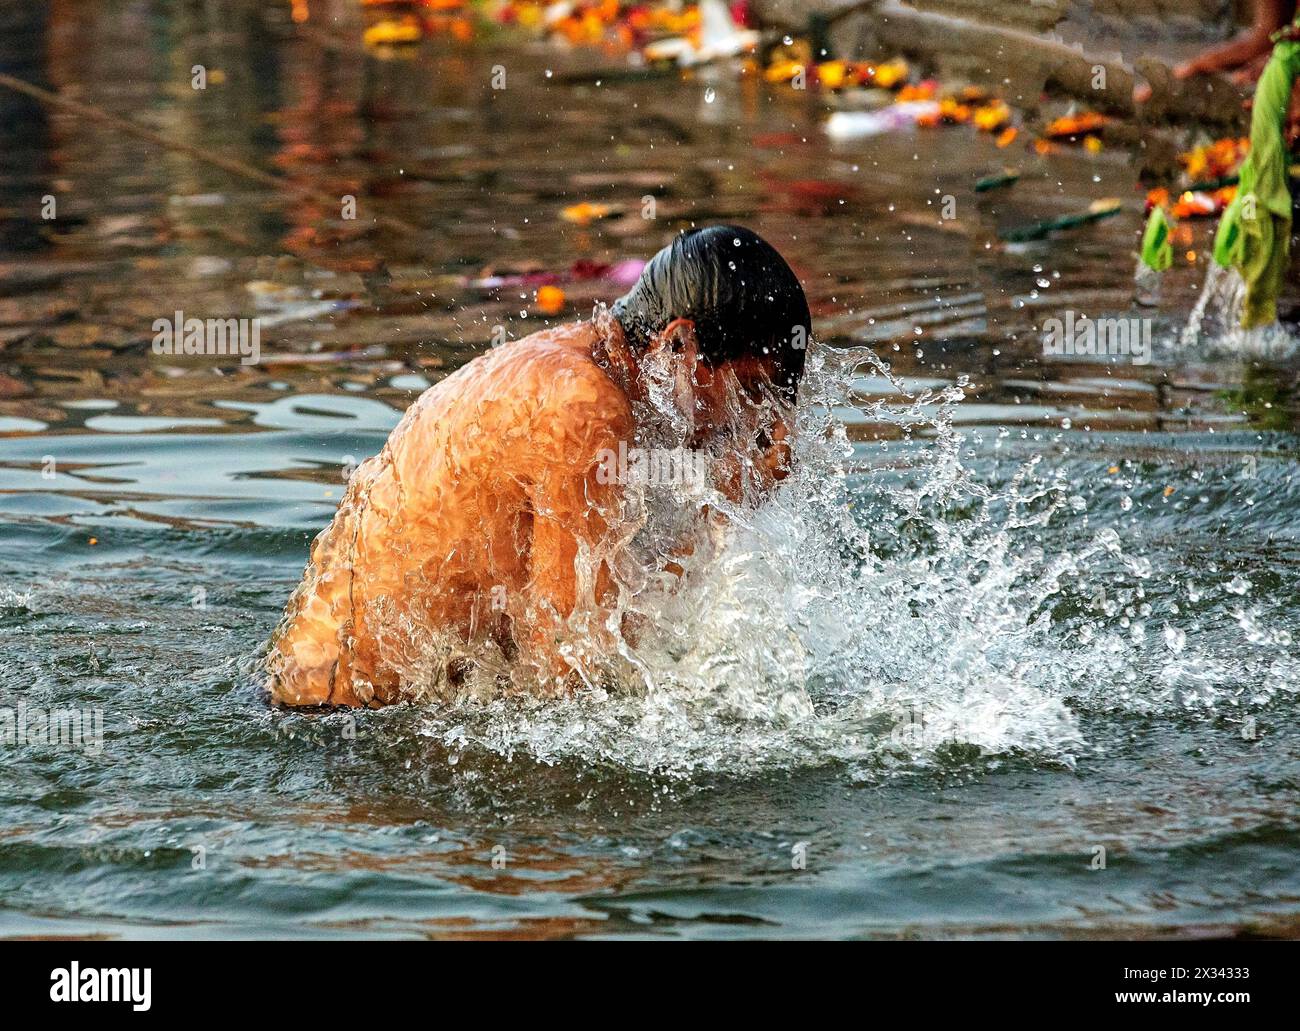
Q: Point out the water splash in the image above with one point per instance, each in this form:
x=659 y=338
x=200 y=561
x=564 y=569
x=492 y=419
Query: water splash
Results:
x=1147 y=284
x=1215 y=321
x=884 y=609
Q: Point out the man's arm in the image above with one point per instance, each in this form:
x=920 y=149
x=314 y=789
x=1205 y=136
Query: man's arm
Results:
x=304 y=653
x=1270 y=15
x=310 y=661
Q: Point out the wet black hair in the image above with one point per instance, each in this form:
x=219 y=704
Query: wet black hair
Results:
x=744 y=299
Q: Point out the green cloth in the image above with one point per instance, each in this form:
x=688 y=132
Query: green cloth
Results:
x=1255 y=233
x=1157 y=251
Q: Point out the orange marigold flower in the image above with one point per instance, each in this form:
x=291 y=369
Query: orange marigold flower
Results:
x=550 y=300
x=1075 y=125
x=992 y=116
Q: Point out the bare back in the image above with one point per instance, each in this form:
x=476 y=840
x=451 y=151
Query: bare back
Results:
x=465 y=527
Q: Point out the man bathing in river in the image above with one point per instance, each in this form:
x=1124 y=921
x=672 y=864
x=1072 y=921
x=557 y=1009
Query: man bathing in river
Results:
x=490 y=515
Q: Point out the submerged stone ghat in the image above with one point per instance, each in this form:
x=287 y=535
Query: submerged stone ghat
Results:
x=1051 y=46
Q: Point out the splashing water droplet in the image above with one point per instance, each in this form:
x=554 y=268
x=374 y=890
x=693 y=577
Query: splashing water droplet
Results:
x=1238 y=585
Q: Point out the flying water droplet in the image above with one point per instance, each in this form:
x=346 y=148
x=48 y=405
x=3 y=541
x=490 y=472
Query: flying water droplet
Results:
x=1238 y=585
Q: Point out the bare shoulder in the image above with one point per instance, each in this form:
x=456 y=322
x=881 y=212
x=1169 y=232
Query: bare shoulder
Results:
x=545 y=388
x=560 y=400
x=556 y=368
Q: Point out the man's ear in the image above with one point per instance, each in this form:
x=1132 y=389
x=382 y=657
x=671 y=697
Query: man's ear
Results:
x=679 y=337
x=677 y=341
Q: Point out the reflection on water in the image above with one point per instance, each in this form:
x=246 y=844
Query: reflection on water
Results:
x=480 y=176
x=155 y=511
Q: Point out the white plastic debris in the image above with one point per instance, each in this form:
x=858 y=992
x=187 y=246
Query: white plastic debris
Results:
x=720 y=37
x=853 y=125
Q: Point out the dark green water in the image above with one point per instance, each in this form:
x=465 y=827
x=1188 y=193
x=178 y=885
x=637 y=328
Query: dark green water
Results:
x=205 y=812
